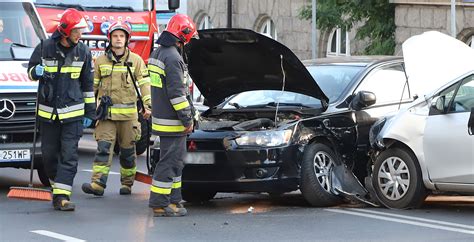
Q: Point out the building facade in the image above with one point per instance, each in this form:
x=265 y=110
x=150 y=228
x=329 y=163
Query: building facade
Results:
x=414 y=17
x=277 y=19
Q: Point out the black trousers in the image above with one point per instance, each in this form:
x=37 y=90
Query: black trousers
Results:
x=166 y=186
x=59 y=144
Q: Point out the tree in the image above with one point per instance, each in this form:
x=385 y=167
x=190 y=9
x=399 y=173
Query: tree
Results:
x=377 y=18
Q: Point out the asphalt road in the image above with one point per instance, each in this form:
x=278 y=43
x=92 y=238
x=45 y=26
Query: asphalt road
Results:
x=128 y=218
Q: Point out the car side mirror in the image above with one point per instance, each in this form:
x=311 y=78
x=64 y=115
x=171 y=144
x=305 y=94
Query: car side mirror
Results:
x=362 y=100
x=437 y=105
x=470 y=124
x=173 y=4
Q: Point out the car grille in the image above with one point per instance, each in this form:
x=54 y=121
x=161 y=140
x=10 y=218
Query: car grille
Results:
x=206 y=145
x=23 y=119
x=221 y=171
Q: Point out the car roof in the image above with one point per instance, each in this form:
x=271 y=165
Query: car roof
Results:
x=351 y=60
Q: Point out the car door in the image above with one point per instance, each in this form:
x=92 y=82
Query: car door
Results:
x=447 y=144
x=470 y=125
x=387 y=82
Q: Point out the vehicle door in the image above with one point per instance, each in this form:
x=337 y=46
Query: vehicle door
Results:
x=447 y=143
x=470 y=125
x=388 y=83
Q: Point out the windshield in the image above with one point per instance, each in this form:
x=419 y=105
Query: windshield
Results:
x=270 y=98
x=19 y=26
x=94 y=5
x=334 y=79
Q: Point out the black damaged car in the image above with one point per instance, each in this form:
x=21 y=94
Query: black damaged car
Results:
x=271 y=127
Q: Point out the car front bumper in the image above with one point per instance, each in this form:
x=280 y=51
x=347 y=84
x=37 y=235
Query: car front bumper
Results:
x=242 y=170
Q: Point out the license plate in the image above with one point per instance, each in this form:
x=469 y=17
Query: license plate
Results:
x=200 y=158
x=14 y=155
x=97 y=53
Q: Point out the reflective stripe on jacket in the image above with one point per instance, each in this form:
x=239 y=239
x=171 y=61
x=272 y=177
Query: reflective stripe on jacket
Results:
x=66 y=87
x=112 y=79
x=171 y=109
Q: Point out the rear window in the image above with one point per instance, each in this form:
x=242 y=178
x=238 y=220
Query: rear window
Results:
x=95 y=5
x=18 y=24
x=334 y=79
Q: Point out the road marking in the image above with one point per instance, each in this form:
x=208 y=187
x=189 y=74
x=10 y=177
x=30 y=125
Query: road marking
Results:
x=57 y=236
x=414 y=218
x=427 y=225
x=110 y=172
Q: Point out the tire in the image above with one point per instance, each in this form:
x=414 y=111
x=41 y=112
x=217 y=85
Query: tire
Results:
x=116 y=148
x=42 y=176
x=144 y=141
x=401 y=165
x=140 y=146
x=315 y=185
x=193 y=195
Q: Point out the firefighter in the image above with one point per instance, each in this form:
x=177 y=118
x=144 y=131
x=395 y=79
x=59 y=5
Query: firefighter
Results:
x=63 y=66
x=118 y=120
x=171 y=114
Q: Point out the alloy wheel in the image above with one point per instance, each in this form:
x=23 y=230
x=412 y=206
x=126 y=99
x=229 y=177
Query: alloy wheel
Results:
x=393 y=178
x=322 y=165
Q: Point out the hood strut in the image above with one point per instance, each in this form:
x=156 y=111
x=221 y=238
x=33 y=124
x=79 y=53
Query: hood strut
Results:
x=282 y=90
x=407 y=85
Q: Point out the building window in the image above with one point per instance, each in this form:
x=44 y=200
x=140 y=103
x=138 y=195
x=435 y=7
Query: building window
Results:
x=205 y=22
x=339 y=43
x=268 y=28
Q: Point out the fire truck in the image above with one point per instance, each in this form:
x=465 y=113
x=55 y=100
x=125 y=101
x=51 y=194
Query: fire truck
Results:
x=139 y=14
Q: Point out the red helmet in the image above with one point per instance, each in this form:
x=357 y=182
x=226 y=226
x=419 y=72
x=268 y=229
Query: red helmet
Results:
x=119 y=26
x=182 y=26
x=71 y=19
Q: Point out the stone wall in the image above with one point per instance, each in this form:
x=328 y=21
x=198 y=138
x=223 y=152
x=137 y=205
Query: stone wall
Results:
x=412 y=17
x=417 y=16
x=291 y=31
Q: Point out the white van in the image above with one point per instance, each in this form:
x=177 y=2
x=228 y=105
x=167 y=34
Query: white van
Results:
x=20 y=32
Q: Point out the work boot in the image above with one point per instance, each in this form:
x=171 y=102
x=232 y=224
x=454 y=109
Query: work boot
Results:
x=178 y=205
x=93 y=188
x=125 y=190
x=171 y=210
x=62 y=203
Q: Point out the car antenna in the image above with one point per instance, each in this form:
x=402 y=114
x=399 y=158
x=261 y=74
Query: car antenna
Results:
x=282 y=89
x=407 y=85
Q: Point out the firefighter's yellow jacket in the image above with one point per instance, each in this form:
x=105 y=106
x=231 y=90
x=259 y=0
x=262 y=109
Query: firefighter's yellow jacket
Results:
x=111 y=78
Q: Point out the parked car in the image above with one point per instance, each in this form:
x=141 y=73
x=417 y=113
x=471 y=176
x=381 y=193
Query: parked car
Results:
x=430 y=145
x=272 y=127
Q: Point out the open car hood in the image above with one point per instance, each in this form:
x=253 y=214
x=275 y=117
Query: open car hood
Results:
x=433 y=59
x=223 y=62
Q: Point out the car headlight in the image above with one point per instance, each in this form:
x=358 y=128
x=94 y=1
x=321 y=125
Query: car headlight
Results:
x=265 y=138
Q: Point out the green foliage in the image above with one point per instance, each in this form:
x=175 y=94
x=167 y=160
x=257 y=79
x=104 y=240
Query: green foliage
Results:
x=377 y=18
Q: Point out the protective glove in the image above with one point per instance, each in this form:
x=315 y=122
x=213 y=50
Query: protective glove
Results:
x=86 y=122
x=39 y=70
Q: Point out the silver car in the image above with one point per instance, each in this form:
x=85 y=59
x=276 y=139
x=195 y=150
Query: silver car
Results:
x=430 y=145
